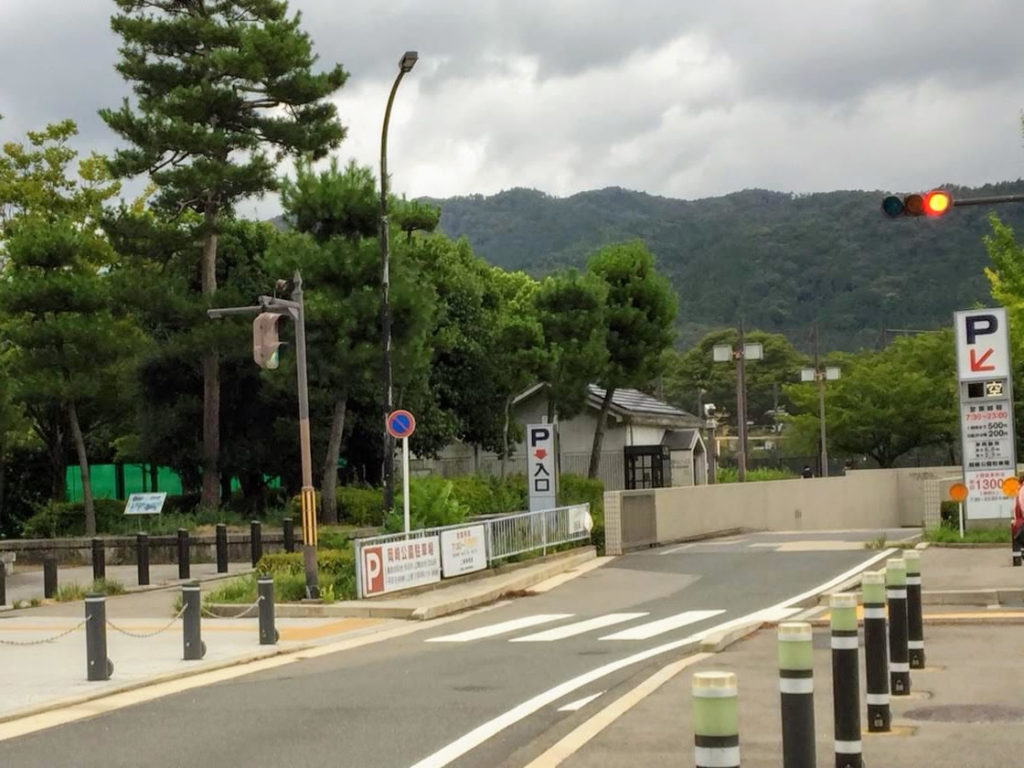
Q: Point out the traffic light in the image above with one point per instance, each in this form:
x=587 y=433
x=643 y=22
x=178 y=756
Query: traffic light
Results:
x=264 y=340
x=934 y=203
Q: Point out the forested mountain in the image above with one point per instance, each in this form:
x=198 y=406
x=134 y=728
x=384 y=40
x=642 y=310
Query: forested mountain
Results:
x=778 y=260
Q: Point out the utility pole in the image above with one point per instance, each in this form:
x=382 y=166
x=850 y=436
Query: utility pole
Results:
x=724 y=353
x=820 y=375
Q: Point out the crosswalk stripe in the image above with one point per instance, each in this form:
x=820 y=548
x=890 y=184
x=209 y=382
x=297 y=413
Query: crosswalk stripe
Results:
x=577 y=628
x=500 y=628
x=652 y=628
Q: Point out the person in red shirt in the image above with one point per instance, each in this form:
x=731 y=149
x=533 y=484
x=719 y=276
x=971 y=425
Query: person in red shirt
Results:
x=1017 y=524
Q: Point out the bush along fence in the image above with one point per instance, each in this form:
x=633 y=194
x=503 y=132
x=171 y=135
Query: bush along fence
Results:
x=715 y=693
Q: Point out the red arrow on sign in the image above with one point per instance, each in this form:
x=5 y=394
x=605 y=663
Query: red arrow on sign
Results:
x=978 y=364
x=540 y=453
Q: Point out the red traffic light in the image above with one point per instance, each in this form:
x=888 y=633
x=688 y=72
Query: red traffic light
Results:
x=934 y=203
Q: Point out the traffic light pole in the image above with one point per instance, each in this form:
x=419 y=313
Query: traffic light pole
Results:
x=295 y=310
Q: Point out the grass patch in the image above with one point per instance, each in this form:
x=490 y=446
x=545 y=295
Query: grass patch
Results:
x=943 y=535
x=71 y=592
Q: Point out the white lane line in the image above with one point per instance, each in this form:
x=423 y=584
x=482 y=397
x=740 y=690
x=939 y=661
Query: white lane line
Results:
x=673 y=550
x=499 y=629
x=577 y=628
x=482 y=733
x=574 y=706
x=652 y=628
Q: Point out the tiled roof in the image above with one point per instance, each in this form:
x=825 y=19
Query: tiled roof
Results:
x=635 y=401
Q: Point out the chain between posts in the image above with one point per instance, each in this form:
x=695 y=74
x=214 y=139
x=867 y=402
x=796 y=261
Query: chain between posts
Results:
x=245 y=611
x=144 y=635
x=46 y=639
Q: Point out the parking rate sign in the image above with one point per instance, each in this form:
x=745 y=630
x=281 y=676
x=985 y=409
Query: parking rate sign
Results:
x=540 y=466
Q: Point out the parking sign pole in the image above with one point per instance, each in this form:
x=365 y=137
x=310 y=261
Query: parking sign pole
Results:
x=405 y=482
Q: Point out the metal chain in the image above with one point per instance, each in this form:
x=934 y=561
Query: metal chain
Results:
x=241 y=615
x=46 y=639
x=144 y=635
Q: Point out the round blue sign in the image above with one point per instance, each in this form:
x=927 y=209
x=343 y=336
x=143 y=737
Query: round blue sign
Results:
x=401 y=424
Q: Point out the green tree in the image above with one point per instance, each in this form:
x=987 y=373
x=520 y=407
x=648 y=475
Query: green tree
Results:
x=1006 y=279
x=224 y=90
x=638 y=317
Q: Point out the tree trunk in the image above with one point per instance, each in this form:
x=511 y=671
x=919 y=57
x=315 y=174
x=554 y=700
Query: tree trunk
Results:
x=504 y=435
x=328 y=498
x=3 y=482
x=83 y=466
x=595 y=452
x=211 y=374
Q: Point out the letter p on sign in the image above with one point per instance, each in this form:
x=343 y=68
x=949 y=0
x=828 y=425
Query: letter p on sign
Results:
x=982 y=344
x=373 y=571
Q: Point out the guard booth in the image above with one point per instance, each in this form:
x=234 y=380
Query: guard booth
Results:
x=680 y=460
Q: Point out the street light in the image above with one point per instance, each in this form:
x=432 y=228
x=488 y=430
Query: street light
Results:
x=821 y=375
x=405 y=64
x=723 y=353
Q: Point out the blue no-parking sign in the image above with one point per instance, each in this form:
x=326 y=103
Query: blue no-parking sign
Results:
x=401 y=424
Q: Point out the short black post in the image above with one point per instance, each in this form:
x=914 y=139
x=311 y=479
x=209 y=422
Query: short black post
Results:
x=184 y=567
x=716 y=735
x=49 y=577
x=1015 y=546
x=796 y=685
x=915 y=617
x=899 y=653
x=191 y=633
x=845 y=680
x=222 y=548
x=3 y=583
x=142 y=557
x=99 y=559
x=876 y=662
x=265 y=588
x=288 y=527
x=98 y=666
x=256 y=541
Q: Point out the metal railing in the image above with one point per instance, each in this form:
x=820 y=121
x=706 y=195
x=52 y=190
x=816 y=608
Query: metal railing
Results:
x=505 y=535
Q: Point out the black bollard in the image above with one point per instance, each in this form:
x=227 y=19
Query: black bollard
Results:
x=142 y=558
x=268 y=633
x=184 y=567
x=191 y=632
x=99 y=560
x=915 y=617
x=222 y=548
x=256 y=541
x=845 y=681
x=3 y=583
x=876 y=663
x=49 y=577
x=288 y=527
x=98 y=666
x=796 y=685
x=899 y=653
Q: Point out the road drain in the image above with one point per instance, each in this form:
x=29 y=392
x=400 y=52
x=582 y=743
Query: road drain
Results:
x=967 y=713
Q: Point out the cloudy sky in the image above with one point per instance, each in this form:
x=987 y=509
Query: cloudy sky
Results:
x=674 y=97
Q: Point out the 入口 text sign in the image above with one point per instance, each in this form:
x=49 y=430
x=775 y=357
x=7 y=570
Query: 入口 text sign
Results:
x=540 y=466
x=982 y=344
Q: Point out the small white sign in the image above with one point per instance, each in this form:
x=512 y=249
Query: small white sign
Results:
x=400 y=565
x=145 y=503
x=540 y=466
x=982 y=344
x=463 y=550
x=580 y=520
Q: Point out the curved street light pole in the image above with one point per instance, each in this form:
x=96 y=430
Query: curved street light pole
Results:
x=405 y=64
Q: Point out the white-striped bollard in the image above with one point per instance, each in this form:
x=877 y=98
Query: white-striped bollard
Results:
x=796 y=687
x=716 y=735
x=899 y=652
x=915 y=614
x=845 y=680
x=876 y=660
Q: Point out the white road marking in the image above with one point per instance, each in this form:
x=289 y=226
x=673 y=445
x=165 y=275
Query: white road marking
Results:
x=652 y=628
x=577 y=628
x=673 y=550
x=499 y=629
x=574 y=706
x=556 y=581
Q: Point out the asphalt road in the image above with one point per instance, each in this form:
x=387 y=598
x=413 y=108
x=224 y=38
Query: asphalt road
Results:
x=492 y=688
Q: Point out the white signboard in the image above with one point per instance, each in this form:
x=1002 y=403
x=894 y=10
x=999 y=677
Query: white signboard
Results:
x=400 y=565
x=580 y=520
x=463 y=550
x=988 y=456
x=145 y=503
x=540 y=466
x=982 y=344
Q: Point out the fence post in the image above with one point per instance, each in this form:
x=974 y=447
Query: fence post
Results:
x=222 y=548
x=99 y=561
x=194 y=648
x=716 y=734
x=288 y=528
x=49 y=576
x=184 y=567
x=876 y=663
x=915 y=617
x=899 y=653
x=268 y=634
x=255 y=541
x=845 y=680
x=796 y=686
x=98 y=666
x=142 y=558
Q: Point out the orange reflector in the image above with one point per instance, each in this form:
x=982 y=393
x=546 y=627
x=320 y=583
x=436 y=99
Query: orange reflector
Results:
x=958 y=492
x=1010 y=486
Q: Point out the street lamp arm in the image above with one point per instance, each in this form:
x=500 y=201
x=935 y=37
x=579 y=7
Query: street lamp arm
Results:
x=384 y=146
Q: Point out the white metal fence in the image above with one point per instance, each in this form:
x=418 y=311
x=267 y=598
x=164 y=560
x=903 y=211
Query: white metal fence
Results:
x=505 y=535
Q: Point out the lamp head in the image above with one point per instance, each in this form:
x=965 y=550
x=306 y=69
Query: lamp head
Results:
x=408 y=61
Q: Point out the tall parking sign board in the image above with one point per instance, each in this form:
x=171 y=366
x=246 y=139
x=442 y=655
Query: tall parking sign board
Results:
x=540 y=466
x=986 y=410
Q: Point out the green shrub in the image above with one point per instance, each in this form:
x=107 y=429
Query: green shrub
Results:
x=576 y=489
x=431 y=504
x=944 y=535
x=732 y=474
x=949 y=513
x=57 y=519
x=333 y=561
x=335 y=574
x=359 y=505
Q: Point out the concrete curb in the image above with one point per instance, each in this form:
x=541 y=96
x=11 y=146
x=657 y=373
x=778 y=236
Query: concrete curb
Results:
x=723 y=640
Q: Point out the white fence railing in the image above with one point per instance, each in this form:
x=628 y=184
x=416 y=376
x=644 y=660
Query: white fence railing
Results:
x=504 y=537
